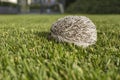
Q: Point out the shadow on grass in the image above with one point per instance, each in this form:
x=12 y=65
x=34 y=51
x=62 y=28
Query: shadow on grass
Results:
x=46 y=35
x=43 y=34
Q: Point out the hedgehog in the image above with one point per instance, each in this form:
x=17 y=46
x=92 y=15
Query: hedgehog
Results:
x=78 y=30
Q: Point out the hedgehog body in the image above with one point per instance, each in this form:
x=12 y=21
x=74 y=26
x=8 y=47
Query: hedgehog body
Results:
x=79 y=30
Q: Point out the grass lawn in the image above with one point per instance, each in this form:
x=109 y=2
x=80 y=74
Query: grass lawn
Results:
x=27 y=54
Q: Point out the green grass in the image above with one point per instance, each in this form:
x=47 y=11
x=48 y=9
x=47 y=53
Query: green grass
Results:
x=27 y=54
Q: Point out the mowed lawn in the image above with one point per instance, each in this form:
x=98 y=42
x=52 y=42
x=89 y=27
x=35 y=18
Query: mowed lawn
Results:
x=27 y=54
